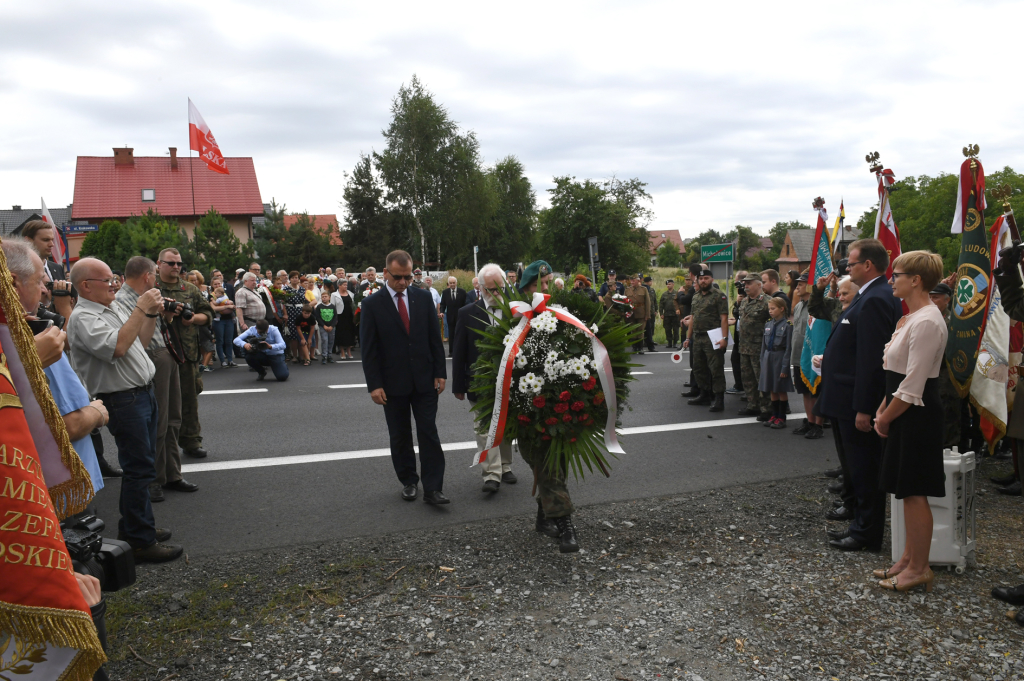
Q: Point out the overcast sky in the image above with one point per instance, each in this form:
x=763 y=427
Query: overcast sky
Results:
x=733 y=113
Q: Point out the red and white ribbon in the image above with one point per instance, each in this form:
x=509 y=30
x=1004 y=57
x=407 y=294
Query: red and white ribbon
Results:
x=526 y=311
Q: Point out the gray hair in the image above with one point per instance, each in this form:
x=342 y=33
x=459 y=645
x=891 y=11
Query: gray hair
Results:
x=490 y=271
x=21 y=258
x=847 y=280
x=247 y=276
x=137 y=266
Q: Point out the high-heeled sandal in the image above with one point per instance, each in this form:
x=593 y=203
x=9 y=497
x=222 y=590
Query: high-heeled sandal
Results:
x=884 y=574
x=893 y=584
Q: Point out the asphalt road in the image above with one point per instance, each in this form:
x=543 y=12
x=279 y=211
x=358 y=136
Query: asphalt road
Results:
x=280 y=493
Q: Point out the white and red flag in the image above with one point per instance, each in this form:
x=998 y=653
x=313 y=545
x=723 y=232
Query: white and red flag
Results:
x=201 y=139
x=57 y=249
x=886 y=230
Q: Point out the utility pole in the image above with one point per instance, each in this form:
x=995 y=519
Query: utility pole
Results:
x=476 y=249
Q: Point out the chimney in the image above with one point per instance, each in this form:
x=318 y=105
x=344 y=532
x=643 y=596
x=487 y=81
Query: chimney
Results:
x=174 y=157
x=16 y=207
x=124 y=157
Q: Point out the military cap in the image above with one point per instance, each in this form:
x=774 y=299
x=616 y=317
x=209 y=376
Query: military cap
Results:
x=943 y=288
x=611 y=271
x=803 y=277
x=417 y=271
x=647 y=278
x=751 y=277
x=534 y=271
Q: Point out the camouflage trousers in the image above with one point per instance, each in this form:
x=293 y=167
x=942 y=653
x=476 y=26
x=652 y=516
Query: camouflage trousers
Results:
x=552 y=494
x=190 y=435
x=750 y=369
x=708 y=363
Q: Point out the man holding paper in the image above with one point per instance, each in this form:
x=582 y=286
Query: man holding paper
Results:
x=707 y=338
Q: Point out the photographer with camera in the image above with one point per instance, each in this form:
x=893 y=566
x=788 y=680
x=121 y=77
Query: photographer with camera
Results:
x=189 y=311
x=108 y=354
x=264 y=347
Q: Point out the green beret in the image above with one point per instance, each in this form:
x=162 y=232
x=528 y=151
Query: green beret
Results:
x=534 y=271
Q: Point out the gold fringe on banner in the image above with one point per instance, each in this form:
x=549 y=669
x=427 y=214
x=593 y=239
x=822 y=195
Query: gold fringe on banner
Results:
x=71 y=496
x=60 y=629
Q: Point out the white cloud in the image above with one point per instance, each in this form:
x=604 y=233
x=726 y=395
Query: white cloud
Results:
x=736 y=113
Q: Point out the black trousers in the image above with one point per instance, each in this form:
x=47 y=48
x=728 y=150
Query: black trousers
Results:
x=863 y=453
x=671 y=330
x=422 y=407
x=649 y=334
x=847 y=495
x=737 y=370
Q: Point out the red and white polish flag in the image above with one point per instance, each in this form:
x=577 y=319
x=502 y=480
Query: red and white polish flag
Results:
x=57 y=249
x=201 y=139
x=886 y=230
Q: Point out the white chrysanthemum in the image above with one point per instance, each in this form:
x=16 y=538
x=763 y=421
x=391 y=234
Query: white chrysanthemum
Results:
x=585 y=374
x=552 y=356
x=593 y=327
x=585 y=359
x=545 y=322
x=593 y=365
x=521 y=360
x=507 y=339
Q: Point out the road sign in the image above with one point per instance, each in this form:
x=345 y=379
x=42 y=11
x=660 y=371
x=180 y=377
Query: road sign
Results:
x=594 y=257
x=717 y=253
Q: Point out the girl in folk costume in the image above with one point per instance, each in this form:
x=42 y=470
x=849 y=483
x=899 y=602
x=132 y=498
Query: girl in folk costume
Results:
x=775 y=369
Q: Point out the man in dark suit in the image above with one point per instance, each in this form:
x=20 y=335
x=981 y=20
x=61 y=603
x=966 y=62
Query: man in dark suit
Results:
x=853 y=385
x=472 y=318
x=473 y=295
x=404 y=366
x=452 y=300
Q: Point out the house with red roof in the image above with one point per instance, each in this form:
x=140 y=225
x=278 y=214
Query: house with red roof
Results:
x=117 y=187
x=658 y=238
x=325 y=224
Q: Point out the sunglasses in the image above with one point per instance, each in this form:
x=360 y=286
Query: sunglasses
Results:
x=172 y=263
x=400 y=277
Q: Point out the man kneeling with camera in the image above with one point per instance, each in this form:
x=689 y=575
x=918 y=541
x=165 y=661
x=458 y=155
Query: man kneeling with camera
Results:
x=264 y=347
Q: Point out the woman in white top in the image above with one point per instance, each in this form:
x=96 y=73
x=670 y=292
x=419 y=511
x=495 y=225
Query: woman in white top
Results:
x=910 y=418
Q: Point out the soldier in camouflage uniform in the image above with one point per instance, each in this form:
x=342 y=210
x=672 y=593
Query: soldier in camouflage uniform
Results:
x=951 y=400
x=709 y=310
x=669 y=310
x=173 y=286
x=753 y=316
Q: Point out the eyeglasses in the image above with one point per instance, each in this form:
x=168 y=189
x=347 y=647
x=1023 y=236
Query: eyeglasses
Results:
x=400 y=277
x=109 y=282
x=897 y=275
x=172 y=263
x=851 y=263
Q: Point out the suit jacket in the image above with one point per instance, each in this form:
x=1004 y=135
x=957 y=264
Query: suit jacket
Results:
x=472 y=318
x=451 y=303
x=472 y=296
x=852 y=376
x=55 y=270
x=401 y=363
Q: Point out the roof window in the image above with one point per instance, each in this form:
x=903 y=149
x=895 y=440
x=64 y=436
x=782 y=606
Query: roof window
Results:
x=148 y=195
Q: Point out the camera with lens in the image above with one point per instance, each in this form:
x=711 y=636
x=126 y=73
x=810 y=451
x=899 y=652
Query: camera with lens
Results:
x=173 y=306
x=109 y=560
x=259 y=342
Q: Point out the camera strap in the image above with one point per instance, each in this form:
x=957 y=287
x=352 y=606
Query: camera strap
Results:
x=172 y=341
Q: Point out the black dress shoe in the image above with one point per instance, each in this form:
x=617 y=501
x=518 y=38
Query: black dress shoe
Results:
x=109 y=470
x=509 y=478
x=850 y=544
x=409 y=492
x=491 y=486
x=567 y=542
x=836 y=487
x=841 y=513
x=692 y=392
x=435 y=498
x=836 y=503
x=1005 y=480
x=747 y=411
x=156 y=493
x=162 y=534
x=197 y=453
x=1014 y=595
x=764 y=416
x=839 y=534
x=833 y=472
x=182 y=485
x=1012 y=489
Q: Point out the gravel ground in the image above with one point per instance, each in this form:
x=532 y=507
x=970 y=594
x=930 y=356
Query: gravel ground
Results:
x=724 y=584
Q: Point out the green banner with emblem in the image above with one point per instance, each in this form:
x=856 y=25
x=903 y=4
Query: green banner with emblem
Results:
x=973 y=284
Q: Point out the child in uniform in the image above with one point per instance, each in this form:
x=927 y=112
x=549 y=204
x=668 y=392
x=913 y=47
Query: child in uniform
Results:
x=775 y=368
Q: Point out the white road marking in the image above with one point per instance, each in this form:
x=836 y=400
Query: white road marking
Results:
x=233 y=392
x=348 y=385
x=451 y=447
x=640 y=373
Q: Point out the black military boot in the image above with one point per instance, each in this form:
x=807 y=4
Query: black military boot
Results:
x=719 y=404
x=702 y=400
x=546 y=525
x=567 y=535
x=694 y=391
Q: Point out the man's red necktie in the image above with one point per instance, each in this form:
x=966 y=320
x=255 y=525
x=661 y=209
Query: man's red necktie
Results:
x=402 y=312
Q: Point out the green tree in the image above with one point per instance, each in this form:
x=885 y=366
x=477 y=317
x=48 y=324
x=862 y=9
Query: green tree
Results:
x=514 y=216
x=270 y=238
x=778 y=234
x=370 y=230
x=583 y=209
x=145 y=234
x=215 y=246
x=745 y=239
x=431 y=174
x=103 y=242
x=308 y=247
x=668 y=255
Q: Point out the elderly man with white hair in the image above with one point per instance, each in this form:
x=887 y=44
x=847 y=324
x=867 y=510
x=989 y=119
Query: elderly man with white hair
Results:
x=498 y=466
x=249 y=306
x=452 y=300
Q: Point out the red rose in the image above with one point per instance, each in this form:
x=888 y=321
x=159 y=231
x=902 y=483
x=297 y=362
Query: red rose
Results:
x=589 y=384
x=551 y=420
x=572 y=439
x=567 y=418
x=545 y=437
x=538 y=401
x=523 y=418
x=561 y=408
x=564 y=397
x=599 y=398
x=577 y=406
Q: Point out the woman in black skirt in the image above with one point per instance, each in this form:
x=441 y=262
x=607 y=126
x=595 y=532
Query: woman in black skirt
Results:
x=910 y=417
